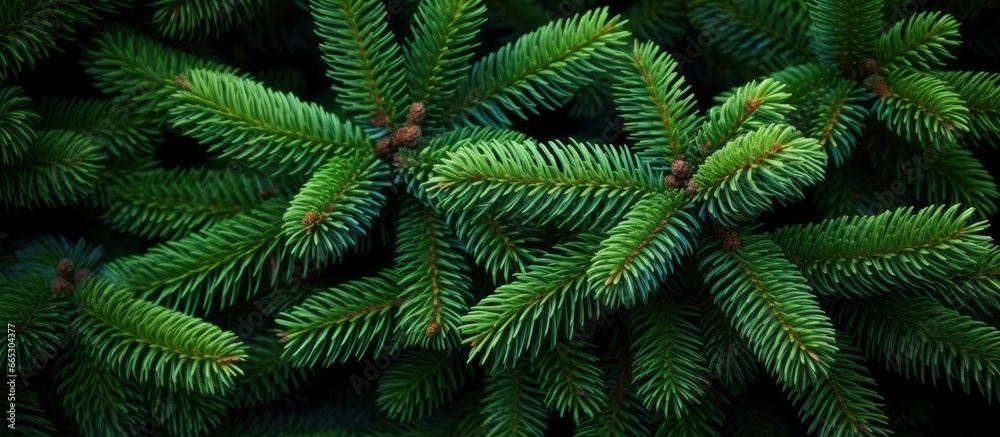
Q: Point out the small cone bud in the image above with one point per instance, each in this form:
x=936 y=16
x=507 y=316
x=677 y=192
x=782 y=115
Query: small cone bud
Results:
x=383 y=148
x=681 y=169
x=65 y=268
x=406 y=136
x=416 y=114
x=61 y=286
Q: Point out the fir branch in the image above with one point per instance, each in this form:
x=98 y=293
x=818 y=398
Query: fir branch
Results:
x=705 y=419
x=953 y=177
x=642 y=249
x=918 y=338
x=244 y=120
x=361 y=57
x=728 y=357
x=97 y=400
x=920 y=41
x=126 y=62
x=419 y=164
x=122 y=133
x=625 y=414
x=656 y=103
x=578 y=184
x=17 y=125
x=743 y=179
x=667 y=360
x=59 y=168
x=184 y=413
x=783 y=323
x=749 y=107
x=28 y=31
x=571 y=380
x=335 y=208
x=845 y=31
x=39 y=318
x=922 y=109
x=419 y=382
x=501 y=248
x=755 y=32
x=981 y=93
x=865 y=256
x=44 y=254
x=209 y=269
x=174 y=203
x=154 y=344
x=839 y=121
x=542 y=68
x=437 y=287
x=197 y=19
x=513 y=404
x=845 y=402
x=349 y=321
x=438 y=55
x=536 y=310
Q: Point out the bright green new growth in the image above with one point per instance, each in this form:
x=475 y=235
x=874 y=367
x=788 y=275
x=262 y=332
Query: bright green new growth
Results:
x=633 y=286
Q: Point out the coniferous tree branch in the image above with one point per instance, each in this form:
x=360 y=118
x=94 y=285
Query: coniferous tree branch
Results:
x=419 y=382
x=335 y=208
x=17 y=125
x=577 y=183
x=743 y=179
x=920 y=339
x=443 y=39
x=571 y=379
x=920 y=41
x=529 y=314
x=436 y=283
x=344 y=322
x=154 y=344
x=661 y=119
x=194 y=274
x=283 y=134
x=362 y=59
x=542 y=68
x=783 y=323
x=668 y=366
x=642 y=249
x=845 y=31
x=865 y=256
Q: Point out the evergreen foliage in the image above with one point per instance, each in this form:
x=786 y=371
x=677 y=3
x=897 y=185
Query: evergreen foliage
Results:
x=411 y=232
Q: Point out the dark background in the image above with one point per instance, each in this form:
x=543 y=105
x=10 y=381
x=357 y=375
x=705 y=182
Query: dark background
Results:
x=62 y=75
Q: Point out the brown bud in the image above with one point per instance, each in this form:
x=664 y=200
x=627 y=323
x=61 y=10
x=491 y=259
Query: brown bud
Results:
x=81 y=275
x=406 y=136
x=870 y=66
x=877 y=85
x=383 y=148
x=691 y=188
x=730 y=239
x=751 y=106
x=268 y=193
x=432 y=329
x=65 y=268
x=416 y=114
x=310 y=220
x=670 y=181
x=380 y=120
x=182 y=82
x=61 y=286
x=680 y=168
